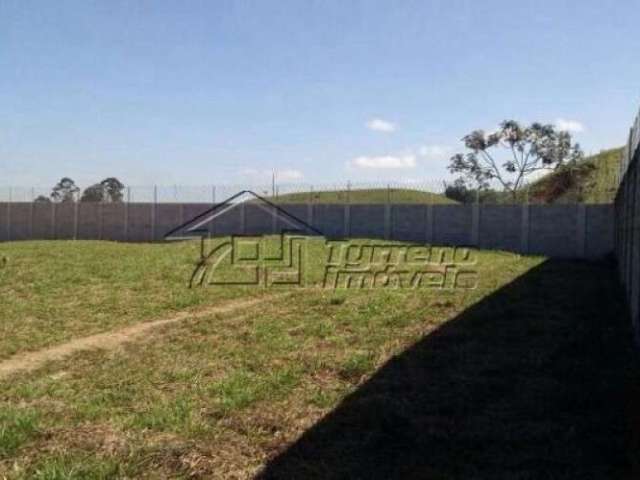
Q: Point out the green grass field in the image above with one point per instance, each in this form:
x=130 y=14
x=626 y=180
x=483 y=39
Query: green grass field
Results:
x=524 y=373
x=367 y=196
x=55 y=291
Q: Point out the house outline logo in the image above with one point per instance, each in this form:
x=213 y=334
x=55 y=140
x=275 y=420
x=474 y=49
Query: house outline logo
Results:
x=249 y=255
x=256 y=260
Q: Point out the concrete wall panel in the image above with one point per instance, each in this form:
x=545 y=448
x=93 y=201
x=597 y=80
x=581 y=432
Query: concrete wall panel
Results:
x=65 y=221
x=20 y=221
x=500 y=227
x=367 y=221
x=43 y=217
x=452 y=224
x=89 y=220
x=139 y=223
x=599 y=230
x=329 y=219
x=408 y=223
x=553 y=230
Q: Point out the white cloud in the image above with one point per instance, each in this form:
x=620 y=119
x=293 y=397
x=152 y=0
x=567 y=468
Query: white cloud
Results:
x=380 y=125
x=434 y=152
x=384 y=162
x=571 y=126
x=403 y=160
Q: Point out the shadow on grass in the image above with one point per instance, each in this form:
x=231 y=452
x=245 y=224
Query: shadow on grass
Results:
x=532 y=382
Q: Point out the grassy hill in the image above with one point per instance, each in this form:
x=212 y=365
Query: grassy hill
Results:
x=371 y=195
x=594 y=180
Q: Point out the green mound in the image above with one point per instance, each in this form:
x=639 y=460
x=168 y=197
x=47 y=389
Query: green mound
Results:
x=593 y=180
x=372 y=195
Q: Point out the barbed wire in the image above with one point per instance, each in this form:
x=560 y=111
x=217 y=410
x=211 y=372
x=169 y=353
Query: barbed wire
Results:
x=421 y=192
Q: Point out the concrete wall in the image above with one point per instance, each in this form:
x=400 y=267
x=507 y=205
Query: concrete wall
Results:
x=564 y=231
x=627 y=236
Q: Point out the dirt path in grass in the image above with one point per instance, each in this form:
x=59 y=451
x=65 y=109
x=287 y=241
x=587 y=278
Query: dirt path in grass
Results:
x=105 y=341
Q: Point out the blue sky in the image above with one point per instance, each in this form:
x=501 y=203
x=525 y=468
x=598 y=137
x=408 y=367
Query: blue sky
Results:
x=321 y=91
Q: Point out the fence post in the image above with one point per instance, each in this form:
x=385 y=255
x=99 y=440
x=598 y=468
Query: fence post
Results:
x=211 y=226
x=31 y=213
x=581 y=230
x=126 y=214
x=347 y=212
x=475 y=220
x=274 y=218
x=101 y=219
x=154 y=206
x=274 y=221
x=9 y=213
x=524 y=228
x=387 y=215
x=428 y=224
x=76 y=206
x=53 y=220
x=310 y=206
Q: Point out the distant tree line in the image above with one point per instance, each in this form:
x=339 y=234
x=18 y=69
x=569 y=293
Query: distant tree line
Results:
x=109 y=190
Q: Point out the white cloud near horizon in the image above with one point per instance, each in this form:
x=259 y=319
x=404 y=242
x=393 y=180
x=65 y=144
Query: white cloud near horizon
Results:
x=384 y=162
x=405 y=160
x=380 y=125
x=571 y=126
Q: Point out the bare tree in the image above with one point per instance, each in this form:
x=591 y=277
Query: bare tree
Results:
x=525 y=151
